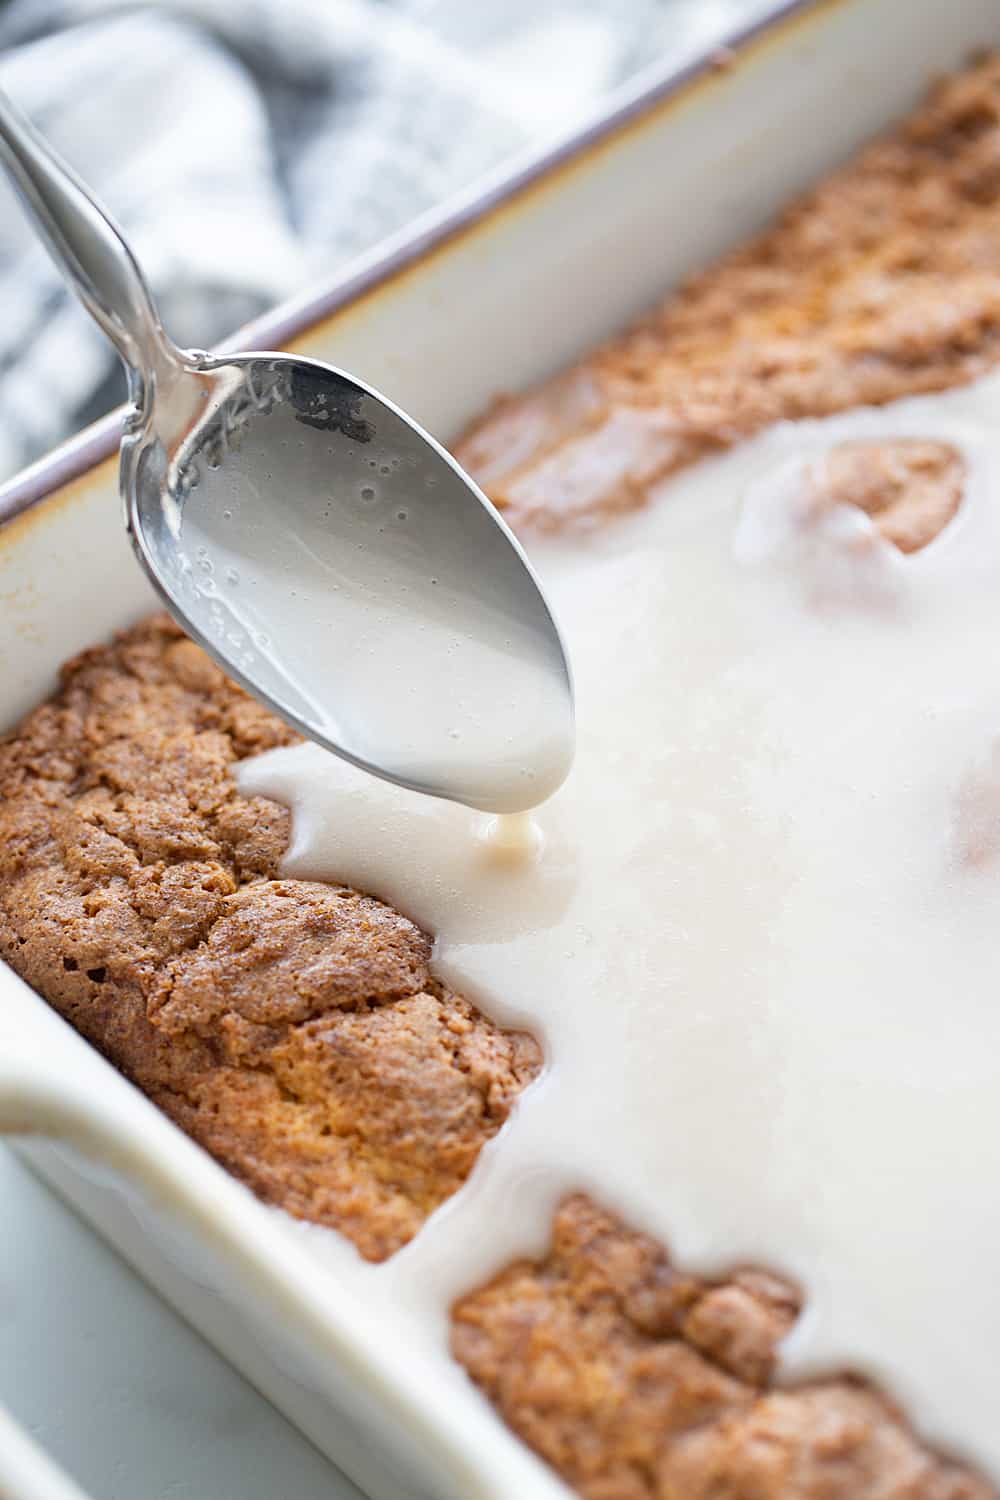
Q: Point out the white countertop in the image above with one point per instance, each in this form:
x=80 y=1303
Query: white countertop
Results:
x=130 y=1400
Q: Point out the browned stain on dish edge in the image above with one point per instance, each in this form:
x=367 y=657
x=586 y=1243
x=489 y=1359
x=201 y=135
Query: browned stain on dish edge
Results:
x=49 y=505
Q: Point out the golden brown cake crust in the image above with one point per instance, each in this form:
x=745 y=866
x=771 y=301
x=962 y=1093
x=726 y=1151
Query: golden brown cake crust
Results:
x=883 y=282
x=294 y=1029
x=639 y=1383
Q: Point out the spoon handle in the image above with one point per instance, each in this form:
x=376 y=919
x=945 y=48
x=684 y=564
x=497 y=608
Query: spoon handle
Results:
x=88 y=248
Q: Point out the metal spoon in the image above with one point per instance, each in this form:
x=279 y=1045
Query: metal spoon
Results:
x=320 y=546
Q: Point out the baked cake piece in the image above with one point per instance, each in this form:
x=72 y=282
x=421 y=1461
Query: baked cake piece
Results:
x=639 y=1383
x=294 y=1029
x=883 y=282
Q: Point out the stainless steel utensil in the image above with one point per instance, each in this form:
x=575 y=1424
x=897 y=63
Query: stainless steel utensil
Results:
x=326 y=551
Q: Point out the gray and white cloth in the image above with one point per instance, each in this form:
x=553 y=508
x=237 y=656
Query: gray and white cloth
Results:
x=249 y=147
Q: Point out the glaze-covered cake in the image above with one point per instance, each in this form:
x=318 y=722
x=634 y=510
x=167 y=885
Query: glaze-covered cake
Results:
x=298 y=1030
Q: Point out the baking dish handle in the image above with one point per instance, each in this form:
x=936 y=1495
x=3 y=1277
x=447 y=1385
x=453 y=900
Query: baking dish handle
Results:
x=29 y=1105
x=117 y=1131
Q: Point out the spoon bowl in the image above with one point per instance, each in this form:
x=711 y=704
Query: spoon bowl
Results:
x=326 y=551
x=337 y=562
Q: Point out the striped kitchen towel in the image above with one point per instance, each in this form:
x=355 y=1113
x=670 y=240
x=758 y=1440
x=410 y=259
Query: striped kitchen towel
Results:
x=250 y=146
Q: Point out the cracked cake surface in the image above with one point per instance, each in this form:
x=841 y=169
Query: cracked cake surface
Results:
x=882 y=282
x=294 y=1029
x=639 y=1382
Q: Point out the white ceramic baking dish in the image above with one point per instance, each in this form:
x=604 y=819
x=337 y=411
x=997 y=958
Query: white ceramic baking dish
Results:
x=493 y=294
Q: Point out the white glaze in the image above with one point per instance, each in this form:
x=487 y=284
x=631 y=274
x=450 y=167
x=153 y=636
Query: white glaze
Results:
x=380 y=572
x=761 y=965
